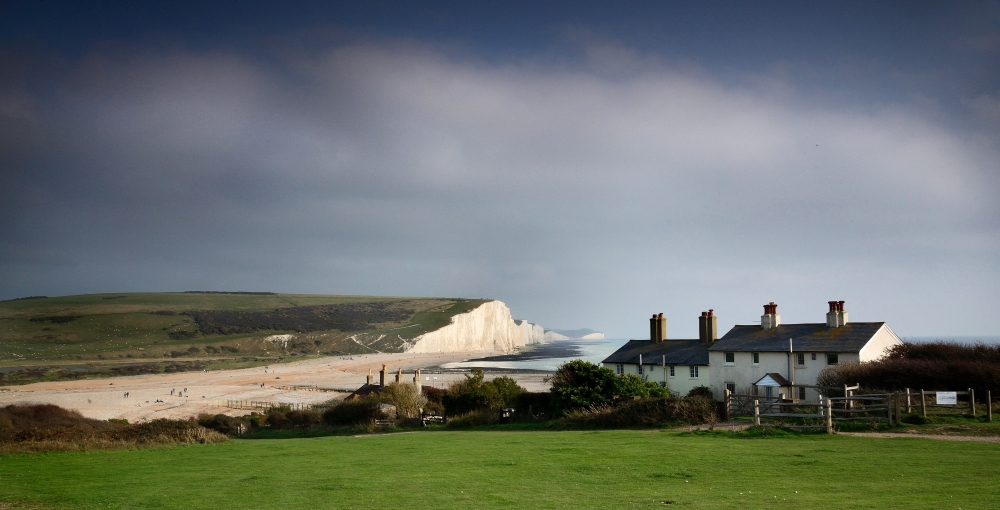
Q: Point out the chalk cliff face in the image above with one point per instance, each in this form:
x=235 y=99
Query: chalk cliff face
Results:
x=488 y=327
x=533 y=333
x=579 y=334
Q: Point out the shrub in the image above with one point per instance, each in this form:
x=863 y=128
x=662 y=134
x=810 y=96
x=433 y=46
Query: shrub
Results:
x=537 y=403
x=647 y=412
x=474 y=418
x=580 y=384
x=701 y=391
x=434 y=396
x=404 y=397
x=352 y=412
x=474 y=393
x=228 y=425
x=930 y=366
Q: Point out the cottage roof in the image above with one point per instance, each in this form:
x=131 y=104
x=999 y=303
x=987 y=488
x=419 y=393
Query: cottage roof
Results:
x=850 y=337
x=772 y=379
x=677 y=352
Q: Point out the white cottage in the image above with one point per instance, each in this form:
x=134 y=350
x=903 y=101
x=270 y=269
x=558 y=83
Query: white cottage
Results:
x=785 y=359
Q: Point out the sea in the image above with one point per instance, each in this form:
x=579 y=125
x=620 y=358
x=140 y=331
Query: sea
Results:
x=548 y=356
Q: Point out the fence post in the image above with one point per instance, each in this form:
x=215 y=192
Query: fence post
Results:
x=972 y=401
x=923 y=403
x=899 y=405
x=756 y=412
x=729 y=404
x=908 y=410
x=829 y=417
x=989 y=406
x=889 y=400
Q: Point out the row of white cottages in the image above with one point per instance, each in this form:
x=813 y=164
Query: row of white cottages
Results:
x=771 y=359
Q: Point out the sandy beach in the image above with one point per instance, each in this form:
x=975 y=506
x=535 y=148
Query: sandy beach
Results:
x=203 y=391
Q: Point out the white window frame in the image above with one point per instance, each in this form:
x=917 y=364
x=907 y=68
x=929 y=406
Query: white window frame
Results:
x=620 y=369
x=756 y=358
x=693 y=371
x=731 y=386
x=639 y=370
x=728 y=356
x=671 y=371
x=802 y=393
x=835 y=356
x=800 y=359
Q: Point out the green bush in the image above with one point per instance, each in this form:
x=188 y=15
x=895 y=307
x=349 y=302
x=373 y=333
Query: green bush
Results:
x=580 y=384
x=537 y=403
x=405 y=397
x=474 y=393
x=701 y=391
x=647 y=412
x=285 y=418
x=352 y=412
x=228 y=425
x=474 y=418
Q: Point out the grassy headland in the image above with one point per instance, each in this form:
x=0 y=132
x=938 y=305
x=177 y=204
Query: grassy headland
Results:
x=131 y=333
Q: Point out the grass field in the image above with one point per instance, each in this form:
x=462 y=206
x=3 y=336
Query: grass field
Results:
x=487 y=469
x=141 y=327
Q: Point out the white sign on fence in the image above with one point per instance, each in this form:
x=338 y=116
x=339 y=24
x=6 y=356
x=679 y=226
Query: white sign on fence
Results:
x=947 y=398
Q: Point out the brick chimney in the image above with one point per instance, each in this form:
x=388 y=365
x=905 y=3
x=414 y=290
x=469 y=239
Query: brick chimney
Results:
x=381 y=376
x=708 y=330
x=658 y=328
x=770 y=319
x=836 y=317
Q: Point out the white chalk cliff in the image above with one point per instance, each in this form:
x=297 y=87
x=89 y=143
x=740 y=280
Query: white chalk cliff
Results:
x=488 y=327
x=533 y=333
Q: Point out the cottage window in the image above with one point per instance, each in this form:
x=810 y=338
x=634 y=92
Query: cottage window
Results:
x=731 y=386
x=640 y=369
x=671 y=370
x=756 y=358
x=800 y=358
x=730 y=358
x=831 y=359
x=619 y=369
x=694 y=372
x=802 y=392
x=814 y=356
x=768 y=391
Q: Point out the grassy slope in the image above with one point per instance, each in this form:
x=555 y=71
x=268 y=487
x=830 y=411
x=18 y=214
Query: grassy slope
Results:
x=605 y=469
x=122 y=327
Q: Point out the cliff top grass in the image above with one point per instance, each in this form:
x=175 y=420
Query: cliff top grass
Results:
x=210 y=327
x=490 y=469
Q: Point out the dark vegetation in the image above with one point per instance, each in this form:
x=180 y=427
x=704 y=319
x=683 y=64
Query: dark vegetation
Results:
x=928 y=366
x=303 y=319
x=55 y=373
x=225 y=292
x=56 y=319
x=40 y=427
x=24 y=298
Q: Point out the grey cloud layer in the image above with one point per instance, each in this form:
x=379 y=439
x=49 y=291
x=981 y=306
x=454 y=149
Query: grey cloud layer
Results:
x=580 y=196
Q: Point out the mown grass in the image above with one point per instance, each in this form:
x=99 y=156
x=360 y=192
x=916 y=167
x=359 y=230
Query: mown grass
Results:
x=596 y=469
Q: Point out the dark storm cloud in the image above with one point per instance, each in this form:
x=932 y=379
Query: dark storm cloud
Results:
x=583 y=191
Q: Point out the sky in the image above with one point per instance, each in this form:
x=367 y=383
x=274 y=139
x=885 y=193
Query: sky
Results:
x=587 y=163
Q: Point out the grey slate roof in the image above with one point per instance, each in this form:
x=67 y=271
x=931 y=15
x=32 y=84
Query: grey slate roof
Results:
x=850 y=337
x=678 y=352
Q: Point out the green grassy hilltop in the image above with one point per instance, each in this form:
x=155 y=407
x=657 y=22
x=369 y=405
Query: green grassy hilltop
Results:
x=123 y=333
x=491 y=469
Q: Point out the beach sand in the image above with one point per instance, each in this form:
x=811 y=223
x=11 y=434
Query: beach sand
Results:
x=104 y=398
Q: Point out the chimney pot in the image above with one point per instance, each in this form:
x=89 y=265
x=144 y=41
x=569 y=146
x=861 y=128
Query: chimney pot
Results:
x=711 y=312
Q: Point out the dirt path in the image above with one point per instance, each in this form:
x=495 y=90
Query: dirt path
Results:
x=942 y=437
x=202 y=391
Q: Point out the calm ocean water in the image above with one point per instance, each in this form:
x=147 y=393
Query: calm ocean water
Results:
x=547 y=357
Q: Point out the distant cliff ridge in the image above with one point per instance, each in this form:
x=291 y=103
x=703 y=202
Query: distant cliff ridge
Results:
x=487 y=327
x=573 y=334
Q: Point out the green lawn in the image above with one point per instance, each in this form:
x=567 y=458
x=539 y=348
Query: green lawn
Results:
x=486 y=469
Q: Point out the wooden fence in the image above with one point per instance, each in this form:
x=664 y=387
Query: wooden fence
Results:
x=927 y=403
x=263 y=405
x=804 y=415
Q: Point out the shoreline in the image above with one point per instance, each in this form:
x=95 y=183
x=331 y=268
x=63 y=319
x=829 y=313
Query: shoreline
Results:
x=105 y=398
